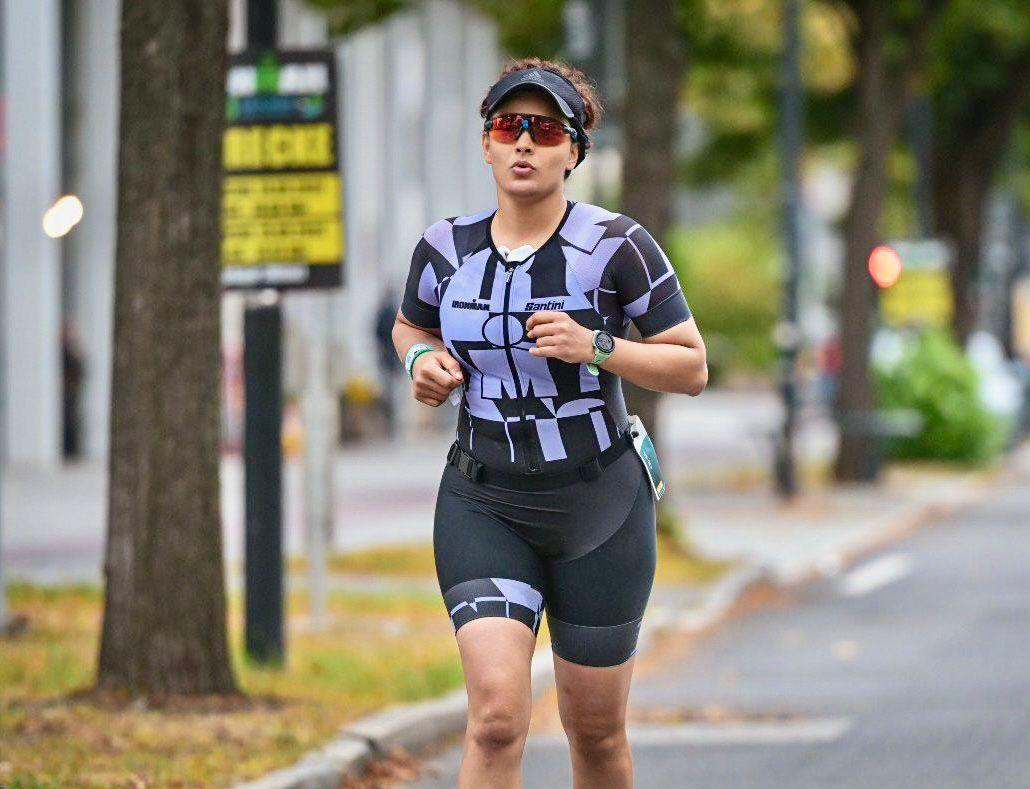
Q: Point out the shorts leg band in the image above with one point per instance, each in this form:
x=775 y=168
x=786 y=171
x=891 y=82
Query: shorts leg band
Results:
x=507 y=597
x=594 y=646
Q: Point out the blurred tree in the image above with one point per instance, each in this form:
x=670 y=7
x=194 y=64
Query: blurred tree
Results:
x=656 y=60
x=979 y=84
x=164 y=628
x=891 y=44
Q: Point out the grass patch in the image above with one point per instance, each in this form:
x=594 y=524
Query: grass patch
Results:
x=376 y=649
x=402 y=559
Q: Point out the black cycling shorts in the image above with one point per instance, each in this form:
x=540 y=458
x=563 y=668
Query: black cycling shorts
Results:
x=585 y=551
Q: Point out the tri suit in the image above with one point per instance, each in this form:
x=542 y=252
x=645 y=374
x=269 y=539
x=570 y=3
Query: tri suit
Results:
x=540 y=504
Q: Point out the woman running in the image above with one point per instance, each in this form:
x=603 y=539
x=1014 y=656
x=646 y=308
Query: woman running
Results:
x=543 y=503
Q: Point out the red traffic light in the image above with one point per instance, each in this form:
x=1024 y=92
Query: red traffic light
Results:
x=884 y=266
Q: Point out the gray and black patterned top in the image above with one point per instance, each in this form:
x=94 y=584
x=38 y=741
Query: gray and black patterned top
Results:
x=519 y=412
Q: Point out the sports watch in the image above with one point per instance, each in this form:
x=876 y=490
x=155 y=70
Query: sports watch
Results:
x=604 y=344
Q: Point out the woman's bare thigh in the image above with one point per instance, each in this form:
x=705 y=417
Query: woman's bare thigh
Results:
x=496 y=654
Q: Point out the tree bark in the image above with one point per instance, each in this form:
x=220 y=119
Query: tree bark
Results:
x=655 y=64
x=882 y=92
x=964 y=170
x=164 y=626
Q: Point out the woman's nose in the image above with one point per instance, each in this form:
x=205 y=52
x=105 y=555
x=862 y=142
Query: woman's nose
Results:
x=524 y=140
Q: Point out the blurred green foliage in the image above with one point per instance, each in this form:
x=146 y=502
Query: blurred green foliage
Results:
x=934 y=378
x=349 y=16
x=729 y=271
x=525 y=27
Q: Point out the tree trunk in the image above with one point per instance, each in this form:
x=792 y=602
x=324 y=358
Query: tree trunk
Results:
x=964 y=169
x=960 y=202
x=655 y=63
x=164 y=628
x=882 y=93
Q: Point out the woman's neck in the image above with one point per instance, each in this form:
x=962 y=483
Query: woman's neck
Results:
x=521 y=222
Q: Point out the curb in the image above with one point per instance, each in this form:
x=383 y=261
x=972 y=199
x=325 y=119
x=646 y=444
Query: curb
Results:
x=413 y=726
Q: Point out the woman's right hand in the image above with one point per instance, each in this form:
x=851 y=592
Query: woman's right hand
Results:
x=434 y=375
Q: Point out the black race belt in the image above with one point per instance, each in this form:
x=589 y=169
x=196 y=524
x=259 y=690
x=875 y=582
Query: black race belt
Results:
x=477 y=472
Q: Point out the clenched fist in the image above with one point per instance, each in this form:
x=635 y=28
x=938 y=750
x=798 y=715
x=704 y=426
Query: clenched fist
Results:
x=557 y=335
x=434 y=375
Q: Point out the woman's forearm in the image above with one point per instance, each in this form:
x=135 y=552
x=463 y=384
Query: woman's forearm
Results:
x=405 y=335
x=660 y=367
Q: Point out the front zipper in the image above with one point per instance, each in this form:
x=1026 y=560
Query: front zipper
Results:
x=533 y=464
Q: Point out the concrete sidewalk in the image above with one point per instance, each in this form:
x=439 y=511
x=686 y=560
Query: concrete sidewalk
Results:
x=52 y=522
x=779 y=544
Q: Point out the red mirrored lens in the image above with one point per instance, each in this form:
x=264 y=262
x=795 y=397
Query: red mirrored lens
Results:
x=547 y=132
x=543 y=131
x=506 y=128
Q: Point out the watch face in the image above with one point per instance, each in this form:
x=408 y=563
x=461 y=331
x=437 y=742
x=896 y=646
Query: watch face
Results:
x=604 y=342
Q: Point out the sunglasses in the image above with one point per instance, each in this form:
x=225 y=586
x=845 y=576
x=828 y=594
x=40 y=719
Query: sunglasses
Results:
x=543 y=130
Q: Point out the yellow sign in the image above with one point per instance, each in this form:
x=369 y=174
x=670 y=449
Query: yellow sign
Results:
x=920 y=297
x=279 y=147
x=922 y=294
x=281 y=218
x=1021 y=318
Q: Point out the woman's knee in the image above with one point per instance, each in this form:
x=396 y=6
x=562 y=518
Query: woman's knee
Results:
x=498 y=715
x=496 y=655
x=498 y=726
x=596 y=735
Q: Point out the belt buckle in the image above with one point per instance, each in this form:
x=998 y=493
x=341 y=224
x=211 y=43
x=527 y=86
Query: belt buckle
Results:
x=451 y=451
x=469 y=466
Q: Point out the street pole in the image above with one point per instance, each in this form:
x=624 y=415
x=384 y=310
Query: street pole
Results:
x=3 y=389
x=3 y=457
x=319 y=439
x=788 y=335
x=262 y=363
x=920 y=126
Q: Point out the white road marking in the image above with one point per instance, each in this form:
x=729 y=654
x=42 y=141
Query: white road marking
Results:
x=810 y=730
x=876 y=574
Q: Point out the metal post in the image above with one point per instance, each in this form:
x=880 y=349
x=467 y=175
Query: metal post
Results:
x=3 y=362
x=788 y=336
x=262 y=333
x=920 y=126
x=263 y=23
x=262 y=366
x=319 y=440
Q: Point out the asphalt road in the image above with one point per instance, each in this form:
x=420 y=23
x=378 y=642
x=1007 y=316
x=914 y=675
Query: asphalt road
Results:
x=910 y=669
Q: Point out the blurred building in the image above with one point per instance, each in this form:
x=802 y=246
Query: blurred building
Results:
x=410 y=89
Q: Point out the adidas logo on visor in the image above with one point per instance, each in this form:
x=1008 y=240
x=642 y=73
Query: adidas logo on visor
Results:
x=533 y=76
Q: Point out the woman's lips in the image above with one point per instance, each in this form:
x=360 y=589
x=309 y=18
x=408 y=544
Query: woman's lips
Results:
x=522 y=169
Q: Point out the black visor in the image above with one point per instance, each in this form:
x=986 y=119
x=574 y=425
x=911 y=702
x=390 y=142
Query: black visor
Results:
x=564 y=93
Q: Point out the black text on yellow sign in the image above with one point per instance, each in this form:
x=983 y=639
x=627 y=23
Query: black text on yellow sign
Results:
x=281 y=218
x=306 y=146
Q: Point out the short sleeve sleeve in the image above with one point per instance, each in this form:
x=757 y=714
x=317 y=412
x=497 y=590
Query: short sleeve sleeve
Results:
x=646 y=284
x=421 y=301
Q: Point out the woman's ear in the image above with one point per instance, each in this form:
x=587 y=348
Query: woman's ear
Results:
x=486 y=148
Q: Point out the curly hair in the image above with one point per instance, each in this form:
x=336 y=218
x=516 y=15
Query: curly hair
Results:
x=587 y=89
x=592 y=107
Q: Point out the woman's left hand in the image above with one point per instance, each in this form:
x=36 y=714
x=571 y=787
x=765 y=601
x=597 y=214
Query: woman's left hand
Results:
x=557 y=335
